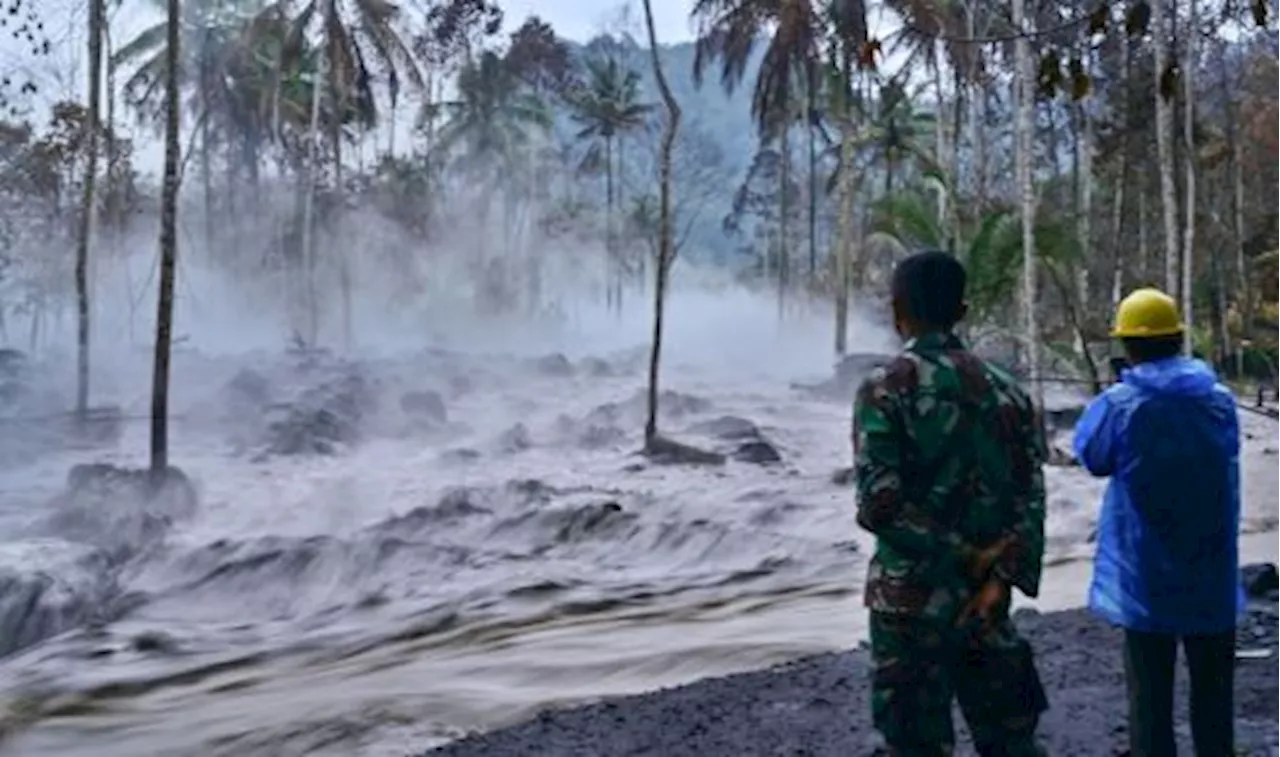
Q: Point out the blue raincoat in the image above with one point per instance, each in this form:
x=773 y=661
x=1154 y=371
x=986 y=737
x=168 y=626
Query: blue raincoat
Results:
x=1167 y=556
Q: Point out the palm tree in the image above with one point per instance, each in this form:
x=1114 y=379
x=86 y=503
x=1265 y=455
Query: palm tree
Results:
x=893 y=131
x=489 y=129
x=729 y=31
x=214 y=35
x=168 y=250
x=91 y=134
x=492 y=120
x=606 y=108
x=356 y=38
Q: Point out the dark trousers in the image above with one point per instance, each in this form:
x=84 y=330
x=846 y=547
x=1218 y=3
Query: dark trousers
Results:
x=1149 y=661
x=921 y=666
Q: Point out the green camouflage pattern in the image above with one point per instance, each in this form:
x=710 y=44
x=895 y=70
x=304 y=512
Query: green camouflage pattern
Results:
x=921 y=664
x=949 y=453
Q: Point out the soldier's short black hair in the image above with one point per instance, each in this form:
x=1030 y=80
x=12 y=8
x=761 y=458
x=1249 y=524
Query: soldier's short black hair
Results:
x=930 y=286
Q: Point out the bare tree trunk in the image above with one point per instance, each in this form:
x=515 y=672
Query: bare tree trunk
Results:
x=168 y=252
x=784 y=213
x=1188 y=132
x=1085 y=229
x=1117 y=223
x=1144 y=239
x=940 y=138
x=1117 y=249
x=345 y=283
x=1164 y=148
x=666 y=241
x=1024 y=131
x=844 y=256
x=1237 y=216
x=610 y=243
x=311 y=306
x=206 y=147
x=811 y=95
x=92 y=128
x=619 y=203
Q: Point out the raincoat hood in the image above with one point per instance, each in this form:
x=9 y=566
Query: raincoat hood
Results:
x=1180 y=376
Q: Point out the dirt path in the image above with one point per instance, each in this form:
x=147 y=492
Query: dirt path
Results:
x=817 y=707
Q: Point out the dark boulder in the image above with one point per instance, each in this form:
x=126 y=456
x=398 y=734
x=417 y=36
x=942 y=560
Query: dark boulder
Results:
x=1260 y=580
x=425 y=405
x=554 y=364
x=666 y=451
x=757 y=451
x=322 y=419
x=729 y=427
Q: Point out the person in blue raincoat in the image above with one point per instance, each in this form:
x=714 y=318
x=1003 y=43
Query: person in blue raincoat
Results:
x=1167 y=562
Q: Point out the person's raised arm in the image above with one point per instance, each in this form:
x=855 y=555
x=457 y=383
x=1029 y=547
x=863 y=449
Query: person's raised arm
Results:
x=1094 y=441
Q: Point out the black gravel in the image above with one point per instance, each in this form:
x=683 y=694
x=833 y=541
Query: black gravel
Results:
x=817 y=706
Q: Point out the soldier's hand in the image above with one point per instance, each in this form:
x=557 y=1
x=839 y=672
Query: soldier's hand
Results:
x=981 y=609
x=980 y=566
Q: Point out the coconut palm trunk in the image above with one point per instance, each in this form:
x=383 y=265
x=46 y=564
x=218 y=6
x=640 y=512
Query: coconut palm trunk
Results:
x=168 y=251
x=610 y=243
x=811 y=109
x=1084 y=177
x=1122 y=187
x=784 y=212
x=1164 y=149
x=92 y=130
x=844 y=255
x=310 y=305
x=1024 y=131
x=1189 y=154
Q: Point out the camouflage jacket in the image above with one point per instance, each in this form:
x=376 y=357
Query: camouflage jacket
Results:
x=948 y=456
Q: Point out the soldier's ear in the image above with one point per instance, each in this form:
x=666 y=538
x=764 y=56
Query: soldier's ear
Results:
x=962 y=311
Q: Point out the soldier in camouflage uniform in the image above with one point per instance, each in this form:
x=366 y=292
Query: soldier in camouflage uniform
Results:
x=948 y=465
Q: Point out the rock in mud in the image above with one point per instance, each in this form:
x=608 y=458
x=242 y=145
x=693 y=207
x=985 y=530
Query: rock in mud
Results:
x=757 y=451
x=1062 y=418
x=460 y=455
x=322 y=419
x=844 y=477
x=554 y=364
x=1060 y=455
x=515 y=439
x=599 y=437
x=1260 y=580
x=120 y=510
x=666 y=451
x=591 y=433
x=50 y=586
x=728 y=427
x=597 y=367
x=248 y=390
x=572 y=525
x=426 y=406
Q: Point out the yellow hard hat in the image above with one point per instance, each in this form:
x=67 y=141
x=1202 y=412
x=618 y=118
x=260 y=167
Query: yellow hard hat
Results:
x=1147 y=313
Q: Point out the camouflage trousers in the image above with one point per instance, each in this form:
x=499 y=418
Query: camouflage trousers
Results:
x=921 y=665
